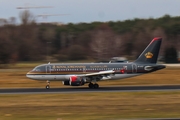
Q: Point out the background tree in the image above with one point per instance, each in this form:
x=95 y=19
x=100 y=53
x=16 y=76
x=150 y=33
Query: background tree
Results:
x=26 y=17
x=76 y=52
x=6 y=50
x=171 y=55
x=105 y=43
x=98 y=40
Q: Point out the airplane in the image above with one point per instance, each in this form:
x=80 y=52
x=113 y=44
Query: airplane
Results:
x=78 y=74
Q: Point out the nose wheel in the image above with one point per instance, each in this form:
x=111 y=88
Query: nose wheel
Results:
x=48 y=84
x=91 y=85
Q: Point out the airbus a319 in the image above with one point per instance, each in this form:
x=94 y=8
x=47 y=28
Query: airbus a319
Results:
x=78 y=74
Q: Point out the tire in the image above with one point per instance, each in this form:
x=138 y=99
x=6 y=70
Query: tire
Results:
x=47 y=86
x=96 y=86
x=91 y=85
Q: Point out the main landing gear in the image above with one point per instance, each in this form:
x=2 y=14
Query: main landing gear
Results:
x=91 y=85
x=48 y=84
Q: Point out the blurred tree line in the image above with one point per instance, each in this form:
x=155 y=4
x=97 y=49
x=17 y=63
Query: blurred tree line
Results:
x=31 y=41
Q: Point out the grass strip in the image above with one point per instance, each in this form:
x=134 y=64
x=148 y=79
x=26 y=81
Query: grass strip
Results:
x=90 y=106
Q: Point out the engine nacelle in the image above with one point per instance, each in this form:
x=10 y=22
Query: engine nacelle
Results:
x=66 y=82
x=74 y=81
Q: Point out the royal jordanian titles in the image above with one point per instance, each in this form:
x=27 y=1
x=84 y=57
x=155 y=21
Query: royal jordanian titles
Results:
x=78 y=74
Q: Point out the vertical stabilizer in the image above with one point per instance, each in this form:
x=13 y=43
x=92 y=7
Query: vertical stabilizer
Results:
x=150 y=54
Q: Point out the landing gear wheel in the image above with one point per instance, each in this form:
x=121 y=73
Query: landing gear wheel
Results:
x=91 y=85
x=96 y=85
x=47 y=86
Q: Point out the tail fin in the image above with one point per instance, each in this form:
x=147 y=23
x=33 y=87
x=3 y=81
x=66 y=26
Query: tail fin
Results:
x=150 y=54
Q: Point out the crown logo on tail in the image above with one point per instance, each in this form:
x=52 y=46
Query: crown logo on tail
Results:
x=149 y=55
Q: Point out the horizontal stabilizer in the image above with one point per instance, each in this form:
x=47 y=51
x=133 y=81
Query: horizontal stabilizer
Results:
x=154 y=67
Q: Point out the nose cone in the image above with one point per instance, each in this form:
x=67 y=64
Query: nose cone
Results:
x=32 y=75
x=29 y=75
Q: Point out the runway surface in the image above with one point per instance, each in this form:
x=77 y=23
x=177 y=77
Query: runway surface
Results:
x=86 y=89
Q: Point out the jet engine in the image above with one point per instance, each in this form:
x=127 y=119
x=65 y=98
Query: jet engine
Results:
x=66 y=82
x=74 y=81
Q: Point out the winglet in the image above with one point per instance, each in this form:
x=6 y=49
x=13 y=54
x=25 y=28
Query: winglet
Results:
x=150 y=54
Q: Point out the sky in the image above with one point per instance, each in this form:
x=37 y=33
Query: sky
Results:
x=91 y=10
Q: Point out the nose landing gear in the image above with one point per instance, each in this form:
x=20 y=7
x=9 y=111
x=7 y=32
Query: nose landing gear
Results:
x=48 y=84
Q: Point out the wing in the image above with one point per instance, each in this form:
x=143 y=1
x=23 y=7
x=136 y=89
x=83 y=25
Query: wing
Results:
x=97 y=75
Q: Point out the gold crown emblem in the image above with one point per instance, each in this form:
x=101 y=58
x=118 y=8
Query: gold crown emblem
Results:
x=149 y=55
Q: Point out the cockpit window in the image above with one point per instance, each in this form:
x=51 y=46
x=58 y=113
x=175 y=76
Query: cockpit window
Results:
x=39 y=68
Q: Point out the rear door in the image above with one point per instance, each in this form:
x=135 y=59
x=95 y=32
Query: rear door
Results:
x=134 y=68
